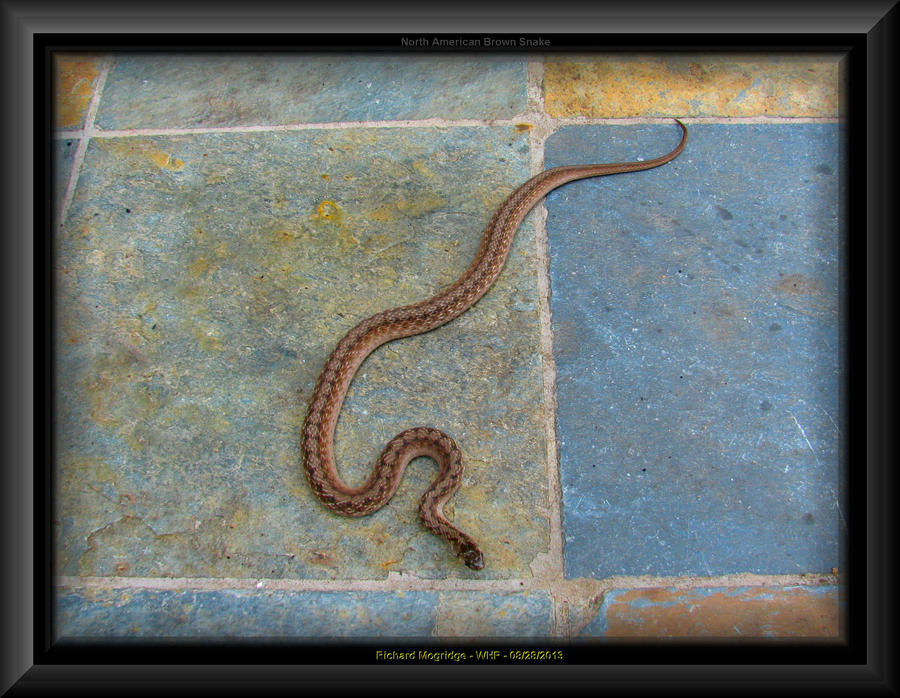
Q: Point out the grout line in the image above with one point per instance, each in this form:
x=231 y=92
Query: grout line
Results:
x=632 y=120
x=83 y=140
x=402 y=583
x=394 y=582
x=536 y=110
x=553 y=571
x=313 y=126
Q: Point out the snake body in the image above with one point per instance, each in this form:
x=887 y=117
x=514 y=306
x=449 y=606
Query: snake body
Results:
x=337 y=374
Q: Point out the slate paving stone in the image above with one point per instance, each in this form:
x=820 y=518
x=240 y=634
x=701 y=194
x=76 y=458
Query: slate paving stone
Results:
x=202 y=282
x=76 y=76
x=720 y=612
x=63 y=153
x=734 y=85
x=146 y=613
x=696 y=338
x=479 y=614
x=190 y=90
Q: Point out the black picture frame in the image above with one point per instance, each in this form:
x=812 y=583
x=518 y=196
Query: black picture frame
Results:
x=32 y=31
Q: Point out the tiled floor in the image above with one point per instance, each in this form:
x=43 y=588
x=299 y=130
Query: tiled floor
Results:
x=647 y=400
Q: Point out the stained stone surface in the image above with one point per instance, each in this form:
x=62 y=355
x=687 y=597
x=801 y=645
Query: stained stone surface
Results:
x=696 y=336
x=720 y=612
x=146 y=90
x=202 y=282
x=683 y=84
x=75 y=81
x=146 y=613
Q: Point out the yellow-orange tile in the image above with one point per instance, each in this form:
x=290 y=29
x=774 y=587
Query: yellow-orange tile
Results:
x=741 y=612
x=75 y=80
x=630 y=85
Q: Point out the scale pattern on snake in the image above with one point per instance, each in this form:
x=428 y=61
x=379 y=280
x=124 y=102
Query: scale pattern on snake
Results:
x=328 y=395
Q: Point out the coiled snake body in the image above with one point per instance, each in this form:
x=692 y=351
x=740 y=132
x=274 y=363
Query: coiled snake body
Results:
x=362 y=340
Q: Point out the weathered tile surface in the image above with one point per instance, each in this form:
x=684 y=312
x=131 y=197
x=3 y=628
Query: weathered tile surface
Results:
x=695 y=318
x=203 y=280
x=526 y=614
x=735 y=612
x=144 y=613
x=630 y=85
x=75 y=78
x=63 y=157
x=145 y=91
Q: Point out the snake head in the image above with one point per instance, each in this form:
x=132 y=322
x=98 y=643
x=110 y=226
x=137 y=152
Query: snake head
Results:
x=472 y=556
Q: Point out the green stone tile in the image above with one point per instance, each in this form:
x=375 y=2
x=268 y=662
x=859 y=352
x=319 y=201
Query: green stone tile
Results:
x=175 y=90
x=202 y=281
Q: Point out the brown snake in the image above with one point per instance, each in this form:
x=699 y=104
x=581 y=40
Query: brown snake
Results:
x=362 y=340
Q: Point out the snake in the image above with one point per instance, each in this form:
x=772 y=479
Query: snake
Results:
x=317 y=436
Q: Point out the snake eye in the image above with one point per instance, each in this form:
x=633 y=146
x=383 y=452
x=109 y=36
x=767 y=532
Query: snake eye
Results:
x=472 y=556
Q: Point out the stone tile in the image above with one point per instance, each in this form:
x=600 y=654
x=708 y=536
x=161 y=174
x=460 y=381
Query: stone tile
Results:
x=63 y=157
x=236 y=613
x=527 y=614
x=696 y=334
x=631 y=85
x=75 y=79
x=202 y=282
x=147 y=91
x=144 y=613
x=732 y=612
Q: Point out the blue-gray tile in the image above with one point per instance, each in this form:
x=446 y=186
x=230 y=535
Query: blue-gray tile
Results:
x=236 y=613
x=524 y=614
x=63 y=157
x=142 y=613
x=172 y=90
x=203 y=280
x=695 y=316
